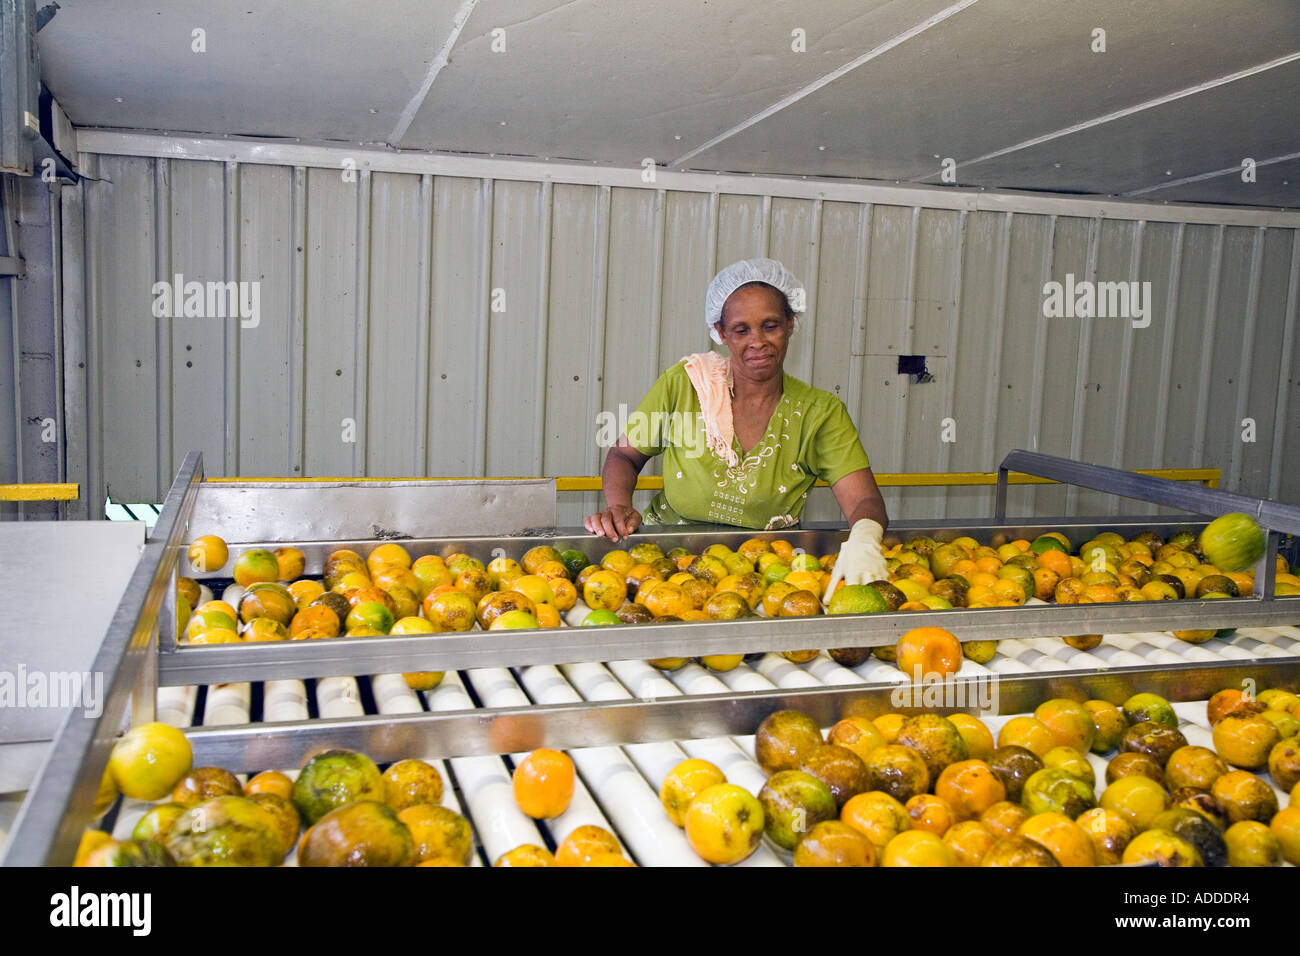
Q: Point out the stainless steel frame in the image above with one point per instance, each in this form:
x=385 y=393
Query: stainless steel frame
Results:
x=59 y=805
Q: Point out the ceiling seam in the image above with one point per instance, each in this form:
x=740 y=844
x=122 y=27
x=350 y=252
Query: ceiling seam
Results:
x=834 y=75
x=1128 y=111
x=439 y=61
x=1200 y=177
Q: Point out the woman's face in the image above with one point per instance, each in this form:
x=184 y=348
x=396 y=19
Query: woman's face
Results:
x=755 y=329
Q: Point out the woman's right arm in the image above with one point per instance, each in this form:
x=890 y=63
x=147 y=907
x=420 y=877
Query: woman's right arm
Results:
x=618 y=479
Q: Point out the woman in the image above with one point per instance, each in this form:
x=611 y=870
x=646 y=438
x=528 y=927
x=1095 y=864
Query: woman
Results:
x=742 y=441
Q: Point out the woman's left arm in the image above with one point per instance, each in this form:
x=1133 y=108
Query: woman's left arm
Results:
x=859 y=497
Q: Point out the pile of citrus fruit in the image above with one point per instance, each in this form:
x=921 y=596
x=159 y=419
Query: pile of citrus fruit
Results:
x=342 y=810
x=388 y=592
x=929 y=790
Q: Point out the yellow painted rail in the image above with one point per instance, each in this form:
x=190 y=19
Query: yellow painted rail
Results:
x=1207 y=476
x=38 y=492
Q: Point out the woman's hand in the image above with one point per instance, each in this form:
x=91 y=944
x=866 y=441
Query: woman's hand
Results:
x=860 y=560
x=616 y=523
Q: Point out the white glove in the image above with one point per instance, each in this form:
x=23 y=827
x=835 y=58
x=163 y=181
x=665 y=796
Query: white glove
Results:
x=860 y=560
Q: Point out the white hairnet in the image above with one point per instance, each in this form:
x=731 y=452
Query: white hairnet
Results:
x=737 y=274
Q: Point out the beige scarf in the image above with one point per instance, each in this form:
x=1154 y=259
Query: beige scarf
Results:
x=710 y=373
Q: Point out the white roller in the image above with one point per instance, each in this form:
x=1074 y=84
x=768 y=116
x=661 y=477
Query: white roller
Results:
x=232 y=594
x=829 y=672
x=284 y=700
x=449 y=799
x=227 y=704
x=338 y=697
x=743 y=677
x=782 y=673
x=393 y=695
x=653 y=760
x=657 y=841
x=175 y=705
x=485 y=784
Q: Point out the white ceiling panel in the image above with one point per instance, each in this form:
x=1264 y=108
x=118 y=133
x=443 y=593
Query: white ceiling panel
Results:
x=1003 y=72
x=1169 y=142
x=885 y=90
x=327 y=69
x=591 y=79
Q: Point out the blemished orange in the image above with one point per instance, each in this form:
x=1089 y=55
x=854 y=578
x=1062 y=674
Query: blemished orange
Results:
x=1004 y=817
x=543 y=783
x=930 y=813
x=969 y=841
x=584 y=843
x=1062 y=837
x=970 y=787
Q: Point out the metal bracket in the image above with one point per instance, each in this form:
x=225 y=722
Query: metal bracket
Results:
x=13 y=266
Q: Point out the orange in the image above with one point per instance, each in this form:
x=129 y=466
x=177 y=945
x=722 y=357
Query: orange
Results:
x=969 y=787
x=1286 y=827
x=1008 y=590
x=724 y=823
x=270 y=781
x=208 y=553
x=889 y=725
x=585 y=842
x=776 y=592
x=543 y=783
x=317 y=618
x=969 y=841
x=978 y=738
x=857 y=734
x=877 y=816
x=474 y=582
x=547 y=615
x=833 y=843
x=305 y=591
x=526 y=854
x=451 y=610
x=563 y=592
x=551 y=570
x=918 y=848
x=930 y=813
x=988 y=565
x=618 y=561
x=805 y=581
x=605 y=589
x=535 y=587
x=388 y=555
x=666 y=599
x=1004 y=817
x=534 y=558
x=1027 y=732
x=783 y=549
x=148 y=760
x=1069 y=721
x=928 y=650
x=1062 y=837
x=914 y=572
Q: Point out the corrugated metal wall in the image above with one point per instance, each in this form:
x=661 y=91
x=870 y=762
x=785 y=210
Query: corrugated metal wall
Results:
x=457 y=326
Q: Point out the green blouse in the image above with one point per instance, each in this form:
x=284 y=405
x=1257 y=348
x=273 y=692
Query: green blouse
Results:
x=809 y=436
